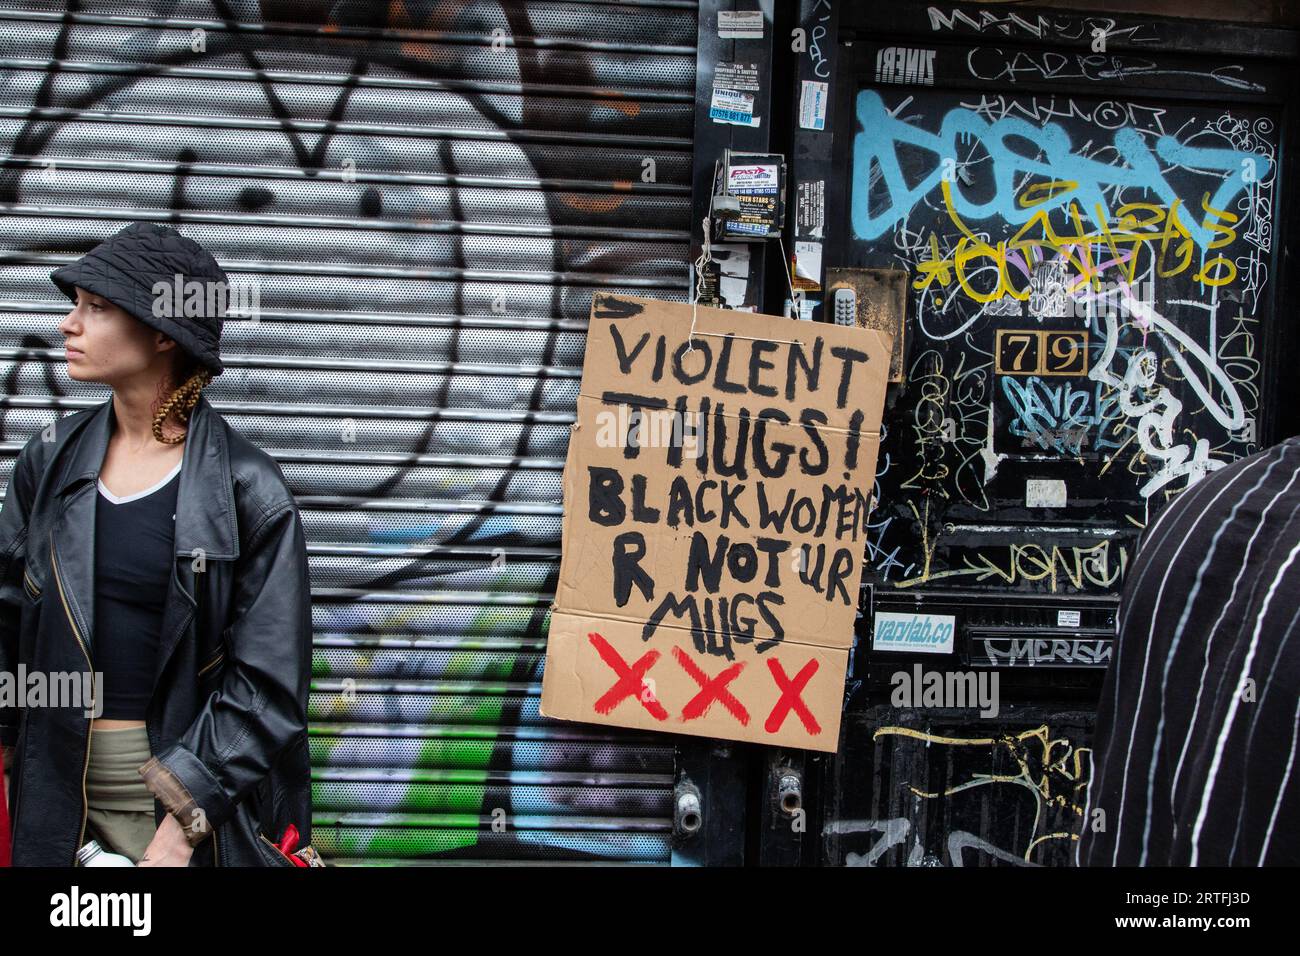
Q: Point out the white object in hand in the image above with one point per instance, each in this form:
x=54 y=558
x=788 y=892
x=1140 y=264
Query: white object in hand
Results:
x=92 y=854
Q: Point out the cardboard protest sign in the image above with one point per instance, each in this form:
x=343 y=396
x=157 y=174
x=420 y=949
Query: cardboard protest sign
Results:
x=716 y=497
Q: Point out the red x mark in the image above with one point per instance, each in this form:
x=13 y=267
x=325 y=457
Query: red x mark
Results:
x=631 y=680
x=712 y=689
x=790 y=690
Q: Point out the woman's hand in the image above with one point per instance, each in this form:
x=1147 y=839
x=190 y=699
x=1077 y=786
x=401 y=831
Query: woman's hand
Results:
x=168 y=846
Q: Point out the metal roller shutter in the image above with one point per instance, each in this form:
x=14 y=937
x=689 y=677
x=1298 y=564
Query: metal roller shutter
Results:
x=427 y=196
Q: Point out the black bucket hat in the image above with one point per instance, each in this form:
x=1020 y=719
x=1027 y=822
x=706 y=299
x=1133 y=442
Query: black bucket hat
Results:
x=126 y=266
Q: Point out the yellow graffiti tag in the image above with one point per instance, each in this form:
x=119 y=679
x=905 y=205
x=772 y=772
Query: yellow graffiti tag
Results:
x=1003 y=268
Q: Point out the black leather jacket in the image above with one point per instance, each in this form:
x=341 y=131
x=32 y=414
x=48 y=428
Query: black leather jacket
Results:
x=227 y=722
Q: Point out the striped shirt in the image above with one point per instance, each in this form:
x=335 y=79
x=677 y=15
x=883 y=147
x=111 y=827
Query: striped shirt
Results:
x=1194 y=760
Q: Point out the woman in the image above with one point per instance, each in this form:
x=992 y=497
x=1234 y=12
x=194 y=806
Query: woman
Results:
x=146 y=542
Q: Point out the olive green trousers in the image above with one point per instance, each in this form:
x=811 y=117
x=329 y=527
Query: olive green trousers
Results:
x=120 y=808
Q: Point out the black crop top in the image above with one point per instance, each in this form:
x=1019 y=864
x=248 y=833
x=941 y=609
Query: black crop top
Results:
x=134 y=554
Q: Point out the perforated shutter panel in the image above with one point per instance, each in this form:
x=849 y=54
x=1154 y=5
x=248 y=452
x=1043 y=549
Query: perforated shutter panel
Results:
x=426 y=202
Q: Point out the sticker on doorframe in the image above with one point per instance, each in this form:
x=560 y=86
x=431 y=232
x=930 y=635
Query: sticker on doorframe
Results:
x=812 y=105
x=907 y=65
x=913 y=633
x=1045 y=493
x=733 y=107
x=740 y=24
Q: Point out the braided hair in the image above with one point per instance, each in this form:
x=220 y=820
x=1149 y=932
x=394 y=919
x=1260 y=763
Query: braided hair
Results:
x=182 y=399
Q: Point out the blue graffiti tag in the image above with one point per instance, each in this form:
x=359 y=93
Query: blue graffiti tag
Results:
x=1060 y=417
x=1020 y=151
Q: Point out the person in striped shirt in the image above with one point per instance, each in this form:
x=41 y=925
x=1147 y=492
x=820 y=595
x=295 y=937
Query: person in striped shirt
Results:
x=1194 y=759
